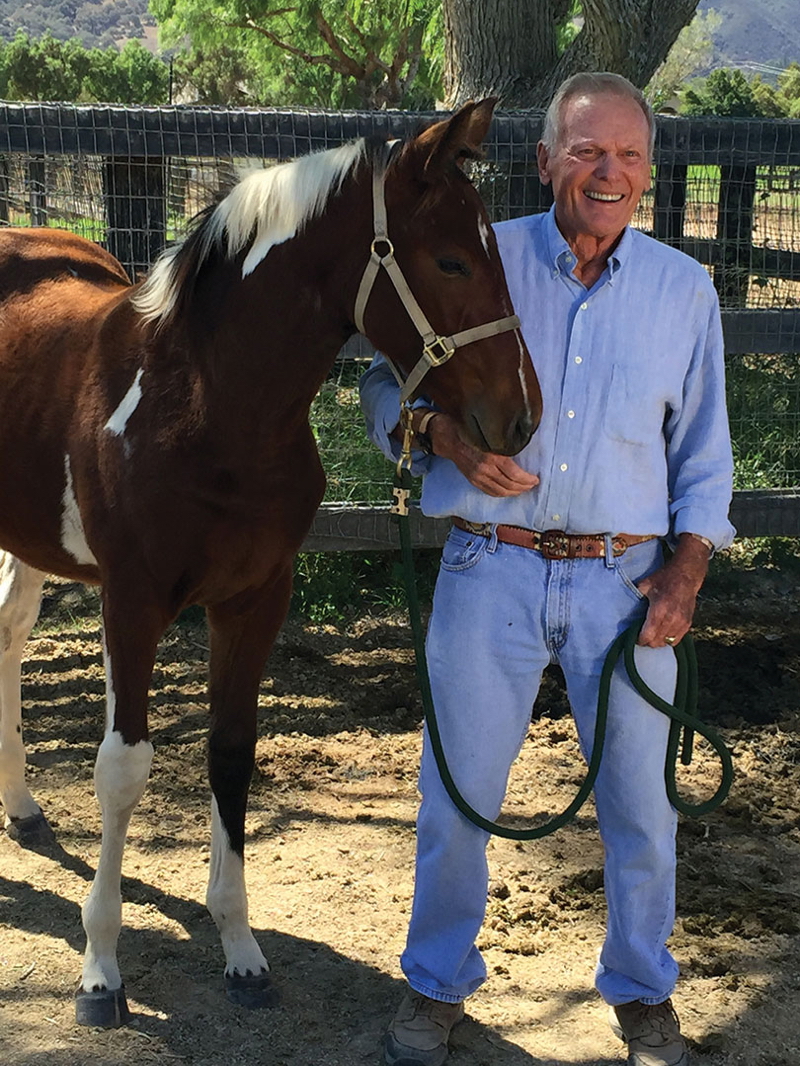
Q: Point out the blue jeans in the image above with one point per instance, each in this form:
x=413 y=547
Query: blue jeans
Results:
x=501 y=613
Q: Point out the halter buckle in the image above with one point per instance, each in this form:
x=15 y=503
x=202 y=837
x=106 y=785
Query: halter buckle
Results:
x=445 y=353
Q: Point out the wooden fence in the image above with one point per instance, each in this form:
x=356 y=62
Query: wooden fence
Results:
x=136 y=146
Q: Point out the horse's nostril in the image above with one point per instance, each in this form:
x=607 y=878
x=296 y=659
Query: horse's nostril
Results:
x=523 y=430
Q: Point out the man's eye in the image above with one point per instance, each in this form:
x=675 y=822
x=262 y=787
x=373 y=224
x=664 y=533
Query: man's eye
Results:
x=453 y=266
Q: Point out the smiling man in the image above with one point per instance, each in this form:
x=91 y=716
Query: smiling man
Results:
x=556 y=551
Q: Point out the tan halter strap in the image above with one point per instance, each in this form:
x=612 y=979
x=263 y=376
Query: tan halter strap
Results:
x=436 y=349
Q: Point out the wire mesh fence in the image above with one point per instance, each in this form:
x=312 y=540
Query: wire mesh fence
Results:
x=725 y=191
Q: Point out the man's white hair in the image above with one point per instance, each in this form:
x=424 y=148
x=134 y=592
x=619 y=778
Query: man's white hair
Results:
x=602 y=83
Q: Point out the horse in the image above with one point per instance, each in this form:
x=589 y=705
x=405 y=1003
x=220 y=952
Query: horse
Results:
x=155 y=441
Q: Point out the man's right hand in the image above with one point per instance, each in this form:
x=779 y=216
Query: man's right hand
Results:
x=496 y=475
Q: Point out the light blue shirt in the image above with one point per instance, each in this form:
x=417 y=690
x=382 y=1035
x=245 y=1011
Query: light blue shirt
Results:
x=634 y=435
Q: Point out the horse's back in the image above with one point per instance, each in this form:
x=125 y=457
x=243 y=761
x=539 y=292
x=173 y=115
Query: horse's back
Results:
x=32 y=257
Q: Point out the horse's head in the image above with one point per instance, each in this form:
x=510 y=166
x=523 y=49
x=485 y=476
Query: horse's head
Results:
x=445 y=249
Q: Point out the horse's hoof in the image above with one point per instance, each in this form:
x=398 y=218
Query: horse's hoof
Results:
x=107 y=1009
x=253 y=992
x=31 y=832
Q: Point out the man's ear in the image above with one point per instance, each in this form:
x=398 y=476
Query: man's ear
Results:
x=449 y=142
x=542 y=162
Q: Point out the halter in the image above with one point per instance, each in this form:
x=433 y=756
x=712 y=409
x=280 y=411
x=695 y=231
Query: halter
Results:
x=436 y=349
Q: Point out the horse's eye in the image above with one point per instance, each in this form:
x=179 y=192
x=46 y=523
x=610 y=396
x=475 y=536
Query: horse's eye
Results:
x=453 y=266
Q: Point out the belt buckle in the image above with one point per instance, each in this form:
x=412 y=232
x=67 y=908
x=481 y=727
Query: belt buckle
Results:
x=554 y=544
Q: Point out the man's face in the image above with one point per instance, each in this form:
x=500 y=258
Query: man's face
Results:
x=600 y=166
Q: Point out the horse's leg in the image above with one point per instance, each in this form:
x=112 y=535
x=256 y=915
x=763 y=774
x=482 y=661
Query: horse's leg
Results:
x=241 y=634
x=131 y=630
x=20 y=596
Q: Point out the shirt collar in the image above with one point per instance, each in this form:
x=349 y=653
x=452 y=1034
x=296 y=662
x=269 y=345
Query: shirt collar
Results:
x=561 y=255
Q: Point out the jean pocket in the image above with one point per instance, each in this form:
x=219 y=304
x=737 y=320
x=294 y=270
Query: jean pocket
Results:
x=627 y=582
x=638 y=563
x=462 y=550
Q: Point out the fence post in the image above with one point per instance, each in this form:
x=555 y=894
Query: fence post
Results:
x=737 y=192
x=669 y=207
x=4 y=209
x=134 y=194
x=38 y=191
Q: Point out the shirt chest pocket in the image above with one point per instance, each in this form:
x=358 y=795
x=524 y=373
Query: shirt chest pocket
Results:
x=635 y=407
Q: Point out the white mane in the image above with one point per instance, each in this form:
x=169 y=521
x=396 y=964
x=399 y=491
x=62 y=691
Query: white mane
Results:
x=274 y=204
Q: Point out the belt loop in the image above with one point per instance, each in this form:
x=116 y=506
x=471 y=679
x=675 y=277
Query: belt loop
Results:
x=492 y=545
x=611 y=562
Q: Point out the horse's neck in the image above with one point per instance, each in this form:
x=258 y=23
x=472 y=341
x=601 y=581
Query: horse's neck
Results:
x=280 y=328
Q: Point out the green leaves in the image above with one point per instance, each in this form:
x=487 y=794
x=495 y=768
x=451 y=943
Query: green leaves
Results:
x=49 y=69
x=729 y=92
x=327 y=53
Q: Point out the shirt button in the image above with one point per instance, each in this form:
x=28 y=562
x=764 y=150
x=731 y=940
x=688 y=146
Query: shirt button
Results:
x=556 y=517
x=570 y=414
x=578 y=359
x=564 y=466
x=584 y=306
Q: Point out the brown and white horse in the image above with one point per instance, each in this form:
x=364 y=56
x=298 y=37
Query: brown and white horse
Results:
x=154 y=439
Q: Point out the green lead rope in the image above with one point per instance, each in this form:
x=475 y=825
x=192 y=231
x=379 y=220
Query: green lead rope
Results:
x=683 y=713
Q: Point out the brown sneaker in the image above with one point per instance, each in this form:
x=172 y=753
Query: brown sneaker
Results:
x=652 y=1033
x=419 y=1031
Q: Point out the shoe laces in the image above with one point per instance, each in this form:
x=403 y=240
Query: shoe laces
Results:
x=658 y=1019
x=438 y=1011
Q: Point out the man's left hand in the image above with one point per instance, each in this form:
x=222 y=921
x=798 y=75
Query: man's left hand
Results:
x=672 y=592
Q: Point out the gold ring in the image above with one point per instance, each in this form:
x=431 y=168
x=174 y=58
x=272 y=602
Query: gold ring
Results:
x=670 y=640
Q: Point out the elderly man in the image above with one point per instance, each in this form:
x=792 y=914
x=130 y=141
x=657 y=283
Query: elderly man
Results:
x=633 y=447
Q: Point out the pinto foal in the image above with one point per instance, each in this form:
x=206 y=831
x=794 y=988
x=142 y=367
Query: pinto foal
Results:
x=154 y=439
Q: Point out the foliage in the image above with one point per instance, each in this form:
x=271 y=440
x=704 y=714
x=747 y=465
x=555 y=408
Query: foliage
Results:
x=730 y=92
x=724 y=92
x=568 y=29
x=328 y=53
x=332 y=586
x=691 y=53
x=49 y=69
x=783 y=99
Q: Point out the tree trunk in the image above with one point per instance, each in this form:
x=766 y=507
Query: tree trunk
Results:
x=508 y=47
x=498 y=47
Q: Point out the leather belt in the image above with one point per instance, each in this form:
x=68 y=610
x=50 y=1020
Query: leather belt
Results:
x=554 y=543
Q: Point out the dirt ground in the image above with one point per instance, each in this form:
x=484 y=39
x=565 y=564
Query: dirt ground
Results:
x=330 y=848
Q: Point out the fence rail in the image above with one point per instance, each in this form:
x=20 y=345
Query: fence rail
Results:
x=726 y=191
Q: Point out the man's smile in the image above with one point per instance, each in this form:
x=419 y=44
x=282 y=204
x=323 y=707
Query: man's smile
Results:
x=605 y=197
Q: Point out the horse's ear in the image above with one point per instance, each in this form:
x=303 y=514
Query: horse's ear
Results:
x=455 y=139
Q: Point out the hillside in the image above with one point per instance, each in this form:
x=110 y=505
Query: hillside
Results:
x=756 y=31
x=95 y=23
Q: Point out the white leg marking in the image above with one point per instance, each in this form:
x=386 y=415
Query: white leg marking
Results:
x=73 y=538
x=130 y=401
x=20 y=595
x=226 y=900
x=120 y=776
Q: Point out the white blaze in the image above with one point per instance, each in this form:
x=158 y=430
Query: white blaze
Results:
x=483 y=229
x=130 y=401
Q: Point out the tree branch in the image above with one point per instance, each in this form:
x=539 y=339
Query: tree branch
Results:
x=352 y=67
x=250 y=24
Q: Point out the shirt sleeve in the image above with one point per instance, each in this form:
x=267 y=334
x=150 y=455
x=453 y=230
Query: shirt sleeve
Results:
x=380 y=403
x=699 y=457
